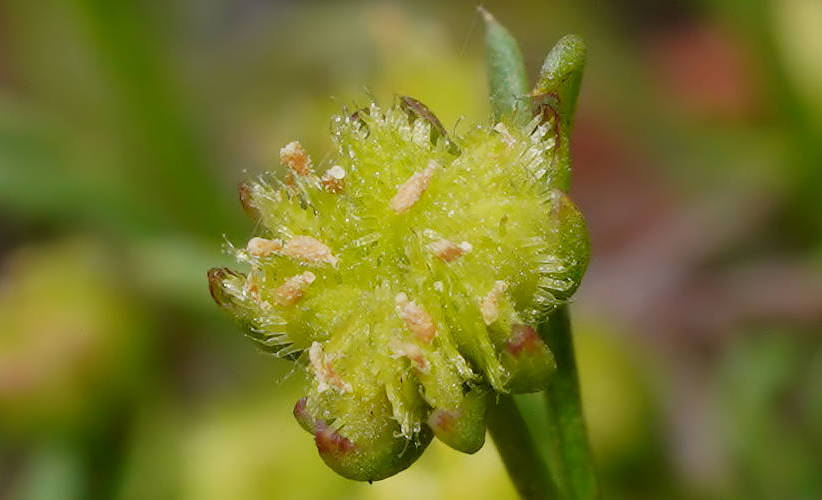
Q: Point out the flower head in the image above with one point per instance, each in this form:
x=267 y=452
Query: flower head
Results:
x=409 y=276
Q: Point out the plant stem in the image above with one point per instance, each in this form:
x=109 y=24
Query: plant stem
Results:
x=515 y=445
x=570 y=454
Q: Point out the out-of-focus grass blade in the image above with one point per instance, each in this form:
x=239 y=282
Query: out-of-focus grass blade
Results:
x=171 y=271
x=507 y=79
x=55 y=472
x=172 y=165
x=140 y=133
x=37 y=182
x=756 y=19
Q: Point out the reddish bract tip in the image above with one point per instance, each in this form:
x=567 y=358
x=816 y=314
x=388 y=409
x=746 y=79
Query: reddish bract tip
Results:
x=299 y=408
x=244 y=190
x=305 y=419
x=216 y=275
x=329 y=442
x=442 y=420
x=523 y=339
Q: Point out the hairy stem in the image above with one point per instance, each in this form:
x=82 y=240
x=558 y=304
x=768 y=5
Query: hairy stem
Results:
x=522 y=460
x=570 y=454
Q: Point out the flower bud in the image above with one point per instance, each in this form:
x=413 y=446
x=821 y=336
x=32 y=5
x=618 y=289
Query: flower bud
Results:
x=462 y=427
x=528 y=359
x=410 y=292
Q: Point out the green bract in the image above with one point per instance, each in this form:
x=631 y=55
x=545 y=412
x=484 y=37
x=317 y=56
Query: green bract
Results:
x=408 y=274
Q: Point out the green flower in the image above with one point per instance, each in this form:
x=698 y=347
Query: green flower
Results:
x=408 y=274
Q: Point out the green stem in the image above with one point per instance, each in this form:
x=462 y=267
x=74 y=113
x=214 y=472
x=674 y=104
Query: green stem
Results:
x=515 y=445
x=570 y=454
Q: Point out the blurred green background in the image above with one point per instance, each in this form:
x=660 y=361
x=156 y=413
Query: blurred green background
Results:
x=126 y=126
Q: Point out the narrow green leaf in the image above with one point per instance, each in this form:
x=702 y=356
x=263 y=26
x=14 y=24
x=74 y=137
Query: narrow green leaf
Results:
x=555 y=96
x=561 y=74
x=507 y=80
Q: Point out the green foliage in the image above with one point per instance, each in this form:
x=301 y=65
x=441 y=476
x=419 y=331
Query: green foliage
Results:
x=67 y=348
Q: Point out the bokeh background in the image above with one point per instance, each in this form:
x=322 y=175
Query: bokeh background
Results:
x=126 y=126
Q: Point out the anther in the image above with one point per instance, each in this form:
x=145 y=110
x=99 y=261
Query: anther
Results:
x=419 y=322
x=294 y=157
x=326 y=376
x=490 y=304
x=411 y=190
x=449 y=251
x=334 y=179
x=292 y=290
x=261 y=247
x=309 y=249
x=414 y=354
x=505 y=134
